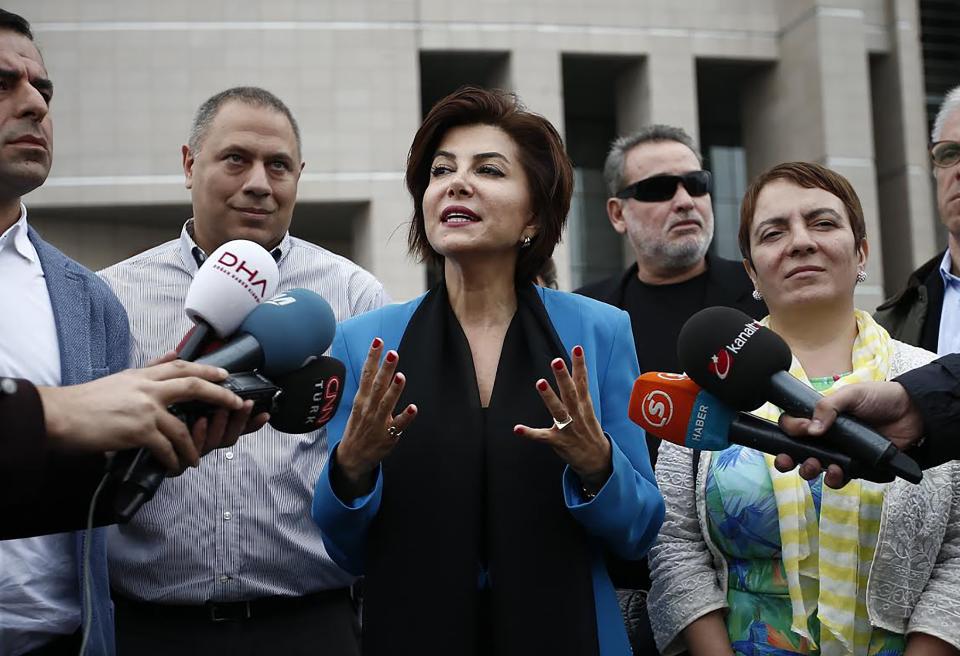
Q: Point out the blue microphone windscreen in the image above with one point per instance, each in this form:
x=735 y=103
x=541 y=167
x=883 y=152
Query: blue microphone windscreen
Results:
x=709 y=425
x=292 y=328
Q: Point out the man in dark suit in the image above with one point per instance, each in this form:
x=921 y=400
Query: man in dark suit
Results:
x=927 y=312
x=660 y=199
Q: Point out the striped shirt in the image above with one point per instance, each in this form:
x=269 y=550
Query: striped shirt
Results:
x=238 y=527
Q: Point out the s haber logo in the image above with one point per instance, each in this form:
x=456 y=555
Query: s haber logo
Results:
x=720 y=364
x=657 y=408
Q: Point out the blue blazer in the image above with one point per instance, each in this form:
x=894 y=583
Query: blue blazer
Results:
x=94 y=341
x=626 y=514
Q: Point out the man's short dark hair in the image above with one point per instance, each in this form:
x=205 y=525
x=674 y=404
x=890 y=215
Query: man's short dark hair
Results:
x=613 y=167
x=253 y=96
x=15 y=23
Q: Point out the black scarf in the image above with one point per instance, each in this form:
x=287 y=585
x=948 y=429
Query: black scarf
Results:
x=473 y=551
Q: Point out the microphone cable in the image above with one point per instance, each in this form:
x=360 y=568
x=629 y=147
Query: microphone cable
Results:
x=87 y=591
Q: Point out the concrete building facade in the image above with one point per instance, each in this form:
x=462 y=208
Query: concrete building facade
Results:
x=757 y=82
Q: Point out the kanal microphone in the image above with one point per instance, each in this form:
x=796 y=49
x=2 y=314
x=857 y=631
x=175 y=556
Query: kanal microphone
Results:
x=280 y=335
x=745 y=364
x=673 y=408
x=233 y=280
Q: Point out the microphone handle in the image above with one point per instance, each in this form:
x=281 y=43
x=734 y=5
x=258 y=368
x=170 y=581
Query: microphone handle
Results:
x=847 y=434
x=196 y=339
x=242 y=353
x=140 y=475
x=767 y=437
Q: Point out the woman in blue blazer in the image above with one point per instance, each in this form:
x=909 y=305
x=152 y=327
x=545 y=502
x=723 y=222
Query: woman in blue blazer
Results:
x=482 y=461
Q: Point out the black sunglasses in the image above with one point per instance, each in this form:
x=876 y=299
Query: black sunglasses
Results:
x=945 y=153
x=663 y=187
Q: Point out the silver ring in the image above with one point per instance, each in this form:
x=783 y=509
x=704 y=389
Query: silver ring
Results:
x=394 y=433
x=561 y=424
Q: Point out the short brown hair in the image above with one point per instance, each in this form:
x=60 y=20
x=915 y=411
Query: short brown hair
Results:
x=545 y=162
x=809 y=176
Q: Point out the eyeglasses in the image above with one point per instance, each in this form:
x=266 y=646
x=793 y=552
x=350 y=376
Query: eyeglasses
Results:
x=945 y=153
x=664 y=187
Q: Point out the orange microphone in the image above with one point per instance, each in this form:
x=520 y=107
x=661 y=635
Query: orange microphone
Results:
x=673 y=408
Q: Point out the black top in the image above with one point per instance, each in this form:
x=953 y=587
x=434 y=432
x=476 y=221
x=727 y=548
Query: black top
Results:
x=662 y=310
x=935 y=390
x=657 y=312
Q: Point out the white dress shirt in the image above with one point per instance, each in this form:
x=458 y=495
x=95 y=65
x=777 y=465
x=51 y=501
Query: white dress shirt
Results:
x=39 y=595
x=238 y=527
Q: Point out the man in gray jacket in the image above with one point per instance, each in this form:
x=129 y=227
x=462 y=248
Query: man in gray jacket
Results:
x=927 y=312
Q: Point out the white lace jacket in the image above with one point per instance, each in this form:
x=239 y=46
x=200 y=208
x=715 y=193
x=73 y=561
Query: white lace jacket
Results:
x=914 y=583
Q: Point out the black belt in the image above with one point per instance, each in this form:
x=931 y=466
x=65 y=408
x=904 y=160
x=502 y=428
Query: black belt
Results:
x=227 y=611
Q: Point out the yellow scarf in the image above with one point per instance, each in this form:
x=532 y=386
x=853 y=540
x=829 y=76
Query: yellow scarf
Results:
x=827 y=569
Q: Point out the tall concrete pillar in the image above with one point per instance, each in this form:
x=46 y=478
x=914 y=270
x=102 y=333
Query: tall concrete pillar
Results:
x=903 y=168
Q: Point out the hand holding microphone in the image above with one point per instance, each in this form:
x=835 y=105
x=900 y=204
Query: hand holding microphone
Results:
x=278 y=337
x=886 y=406
x=673 y=408
x=745 y=365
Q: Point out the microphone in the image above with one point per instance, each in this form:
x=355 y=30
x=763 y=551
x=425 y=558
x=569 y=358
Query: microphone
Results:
x=745 y=365
x=280 y=335
x=673 y=408
x=310 y=396
x=232 y=281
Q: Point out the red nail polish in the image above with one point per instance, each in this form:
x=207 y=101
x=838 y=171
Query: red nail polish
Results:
x=557 y=364
x=397 y=379
x=518 y=430
x=578 y=351
x=377 y=342
x=542 y=385
x=411 y=410
x=391 y=356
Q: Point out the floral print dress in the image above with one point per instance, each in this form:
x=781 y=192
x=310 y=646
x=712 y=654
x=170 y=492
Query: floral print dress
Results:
x=743 y=523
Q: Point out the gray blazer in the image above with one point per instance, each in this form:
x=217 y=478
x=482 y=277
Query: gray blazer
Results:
x=914 y=582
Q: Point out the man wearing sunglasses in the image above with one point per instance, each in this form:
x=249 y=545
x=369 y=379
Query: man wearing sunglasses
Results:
x=927 y=312
x=660 y=199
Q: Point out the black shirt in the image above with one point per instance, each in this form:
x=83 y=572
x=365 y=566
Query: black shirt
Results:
x=657 y=313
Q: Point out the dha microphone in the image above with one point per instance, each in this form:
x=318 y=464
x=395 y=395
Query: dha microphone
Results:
x=279 y=336
x=745 y=364
x=232 y=281
x=673 y=408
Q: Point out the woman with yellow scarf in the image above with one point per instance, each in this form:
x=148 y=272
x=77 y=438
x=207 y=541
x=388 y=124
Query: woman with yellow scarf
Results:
x=757 y=562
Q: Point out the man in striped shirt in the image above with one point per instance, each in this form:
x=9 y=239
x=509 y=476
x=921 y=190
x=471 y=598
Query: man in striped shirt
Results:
x=226 y=556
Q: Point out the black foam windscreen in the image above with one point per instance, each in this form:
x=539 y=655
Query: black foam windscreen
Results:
x=731 y=355
x=310 y=397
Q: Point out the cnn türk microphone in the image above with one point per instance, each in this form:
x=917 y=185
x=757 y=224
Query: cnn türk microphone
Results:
x=279 y=336
x=232 y=281
x=673 y=408
x=745 y=364
x=310 y=396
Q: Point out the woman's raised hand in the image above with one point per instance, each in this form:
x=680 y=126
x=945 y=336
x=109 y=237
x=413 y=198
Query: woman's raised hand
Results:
x=372 y=431
x=576 y=434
